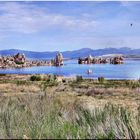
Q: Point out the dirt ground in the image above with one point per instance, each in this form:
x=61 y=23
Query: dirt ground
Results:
x=90 y=94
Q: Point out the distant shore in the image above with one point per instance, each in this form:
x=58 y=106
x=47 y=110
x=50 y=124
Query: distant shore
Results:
x=132 y=58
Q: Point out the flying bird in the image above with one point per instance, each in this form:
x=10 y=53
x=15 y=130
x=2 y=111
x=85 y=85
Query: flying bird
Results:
x=131 y=24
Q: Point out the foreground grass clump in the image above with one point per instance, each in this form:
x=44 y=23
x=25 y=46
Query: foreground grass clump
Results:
x=50 y=118
x=101 y=79
x=35 y=78
x=79 y=78
x=50 y=82
x=132 y=84
x=43 y=77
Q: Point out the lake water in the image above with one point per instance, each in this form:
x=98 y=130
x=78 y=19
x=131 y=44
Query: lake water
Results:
x=129 y=70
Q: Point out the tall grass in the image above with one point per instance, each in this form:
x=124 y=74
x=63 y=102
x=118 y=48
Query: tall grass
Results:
x=48 y=117
x=101 y=79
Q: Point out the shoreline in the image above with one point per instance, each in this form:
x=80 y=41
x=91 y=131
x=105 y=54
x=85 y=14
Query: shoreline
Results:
x=68 y=77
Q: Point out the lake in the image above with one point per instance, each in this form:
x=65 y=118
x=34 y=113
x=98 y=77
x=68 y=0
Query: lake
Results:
x=129 y=70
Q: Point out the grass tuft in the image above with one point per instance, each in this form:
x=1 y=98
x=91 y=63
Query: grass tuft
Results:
x=46 y=118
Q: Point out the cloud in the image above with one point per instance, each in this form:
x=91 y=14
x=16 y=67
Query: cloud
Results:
x=28 y=18
x=104 y=24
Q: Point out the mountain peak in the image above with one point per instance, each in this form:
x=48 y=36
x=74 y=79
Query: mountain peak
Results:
x=85 y=49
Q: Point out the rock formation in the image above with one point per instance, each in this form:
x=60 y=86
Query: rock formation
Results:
x=20 y=61
x=116 y=60
x=58 y=60
x=93 y=60
x=17 y=60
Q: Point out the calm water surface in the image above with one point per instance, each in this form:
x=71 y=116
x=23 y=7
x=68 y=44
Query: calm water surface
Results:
x=129 y=70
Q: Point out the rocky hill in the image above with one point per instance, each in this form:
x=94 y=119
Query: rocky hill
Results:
x=74 y=54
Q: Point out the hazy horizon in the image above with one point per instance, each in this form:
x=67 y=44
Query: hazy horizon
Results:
x=66 y=26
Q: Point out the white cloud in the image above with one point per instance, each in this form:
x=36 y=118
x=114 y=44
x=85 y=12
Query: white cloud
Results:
x=20 y=17
x=80 y=30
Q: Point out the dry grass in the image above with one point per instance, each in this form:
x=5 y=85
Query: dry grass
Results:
x=29 y=116
x=10 y=89
x=68 y=110
x=85 y=90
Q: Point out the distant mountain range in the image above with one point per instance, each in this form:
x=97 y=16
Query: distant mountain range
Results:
x=74 y=54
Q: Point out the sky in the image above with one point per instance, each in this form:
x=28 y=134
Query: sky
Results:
x=65 y=26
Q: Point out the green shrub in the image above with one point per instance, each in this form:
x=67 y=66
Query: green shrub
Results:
x=101 y=79
x=50 y=82
x=79 y=78
x=35 y=78
x=19 y=63
x=132 y=84
x=128 y=83
x=47 y=119
x=135 y=85
x=51 y=77
x=77 y=82
x=21 y=83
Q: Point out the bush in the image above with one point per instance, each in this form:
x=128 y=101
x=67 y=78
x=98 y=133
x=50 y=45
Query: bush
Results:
x=50 y=82
x=19 y=63
x=52 y=78
x=136 y=85
x=63 y=80
x=79 y=78
x=35 y=78
x=2 y=74
x=132 y=84
x=128 y=83
x=21 y=83
x=101 y=79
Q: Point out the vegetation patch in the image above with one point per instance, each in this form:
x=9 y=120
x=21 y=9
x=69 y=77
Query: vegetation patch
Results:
x=50 y=82
x=101 y=79
x=19 y=63
x=108 y=110
x=35 y=78
x=37 y=118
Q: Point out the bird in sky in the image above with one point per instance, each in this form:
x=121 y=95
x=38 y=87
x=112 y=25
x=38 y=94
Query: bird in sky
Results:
x=131 y=24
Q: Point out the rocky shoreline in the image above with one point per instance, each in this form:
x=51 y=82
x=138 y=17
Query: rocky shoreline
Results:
x=94 y=60
x=20 y=61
